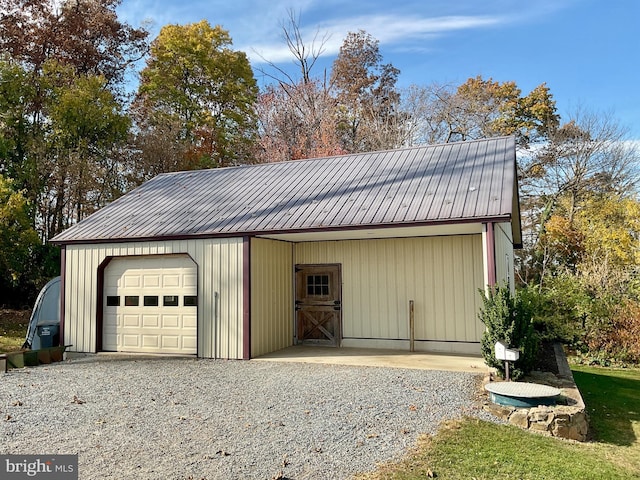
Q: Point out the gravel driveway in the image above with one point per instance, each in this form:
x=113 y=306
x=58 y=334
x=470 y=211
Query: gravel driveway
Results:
x=162 y=418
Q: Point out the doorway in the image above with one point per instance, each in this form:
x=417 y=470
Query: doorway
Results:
x=318 y=304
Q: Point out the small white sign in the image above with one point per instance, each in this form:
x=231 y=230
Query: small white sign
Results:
x=501 y=350
x=511 y=354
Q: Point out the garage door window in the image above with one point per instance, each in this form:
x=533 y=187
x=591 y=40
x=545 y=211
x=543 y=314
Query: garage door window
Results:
x=150 y=300
x=131 y=301
x=170 y=300
x=190 y=301
x=113 y=301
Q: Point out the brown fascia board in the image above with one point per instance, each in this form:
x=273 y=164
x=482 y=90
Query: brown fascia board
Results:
x=499 y=218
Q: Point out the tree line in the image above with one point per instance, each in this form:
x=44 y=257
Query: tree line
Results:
x=73 y=138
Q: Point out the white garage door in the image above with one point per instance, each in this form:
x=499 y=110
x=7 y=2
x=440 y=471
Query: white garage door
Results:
x=150 y=305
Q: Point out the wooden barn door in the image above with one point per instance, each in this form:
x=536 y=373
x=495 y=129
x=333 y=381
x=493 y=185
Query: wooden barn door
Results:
x=318 y=304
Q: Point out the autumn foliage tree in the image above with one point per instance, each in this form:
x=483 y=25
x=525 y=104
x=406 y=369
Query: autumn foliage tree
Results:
x=297 y=121
x=479 y=108
x=62 y=67
x=84 y=34
x=581 y=259
x=200 y=93
x=366 y=95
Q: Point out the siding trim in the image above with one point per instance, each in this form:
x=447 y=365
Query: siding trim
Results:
x=100 y=301
x=246 y=298
x=252 y=233
x=63 y=275
x=491 y=255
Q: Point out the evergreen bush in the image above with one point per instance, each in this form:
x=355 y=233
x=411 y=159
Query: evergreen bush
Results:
x=508 y=319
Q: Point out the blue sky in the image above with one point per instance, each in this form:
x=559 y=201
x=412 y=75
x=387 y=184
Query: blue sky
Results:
x=587 y=51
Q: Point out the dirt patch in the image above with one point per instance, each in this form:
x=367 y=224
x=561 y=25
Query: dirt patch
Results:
x=14 y=317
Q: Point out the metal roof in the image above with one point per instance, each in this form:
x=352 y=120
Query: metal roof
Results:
x=454 y=182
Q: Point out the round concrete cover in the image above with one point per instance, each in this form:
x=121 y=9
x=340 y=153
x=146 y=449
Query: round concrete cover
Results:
x=522 y=389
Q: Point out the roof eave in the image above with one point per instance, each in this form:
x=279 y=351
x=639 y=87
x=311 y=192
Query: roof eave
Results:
x=186 y=236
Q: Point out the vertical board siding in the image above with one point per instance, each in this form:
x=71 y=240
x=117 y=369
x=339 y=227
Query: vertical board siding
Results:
x=219 y=264
x=271 y=296
x=379 y=277
x=505 y=270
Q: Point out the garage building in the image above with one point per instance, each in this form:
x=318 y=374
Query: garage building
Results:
x=238 y=262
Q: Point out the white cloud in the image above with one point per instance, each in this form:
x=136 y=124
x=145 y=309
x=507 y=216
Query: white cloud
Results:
x=388 y=29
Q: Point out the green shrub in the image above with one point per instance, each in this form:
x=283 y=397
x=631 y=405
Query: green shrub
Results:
x=508 y=319
x=559 y=311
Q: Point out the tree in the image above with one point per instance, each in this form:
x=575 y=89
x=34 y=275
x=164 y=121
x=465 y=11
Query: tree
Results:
x=297 y=116
x=610 y=226
x=305 y=55
x=587 y=157
x=480 y=108
x=18 y=241
x=194 y=81
x=366 y=94
x=49 y=48
x=87 y=127
x=588 y=153
x=296 y=122
x=85 y=34
x=17 y=131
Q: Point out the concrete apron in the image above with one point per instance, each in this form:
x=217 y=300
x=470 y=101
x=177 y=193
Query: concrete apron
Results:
x=367 y=357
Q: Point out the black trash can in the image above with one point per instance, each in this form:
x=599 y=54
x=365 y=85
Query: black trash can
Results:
x=48 y=335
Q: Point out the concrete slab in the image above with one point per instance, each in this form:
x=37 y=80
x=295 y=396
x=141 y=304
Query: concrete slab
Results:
x=377 y=358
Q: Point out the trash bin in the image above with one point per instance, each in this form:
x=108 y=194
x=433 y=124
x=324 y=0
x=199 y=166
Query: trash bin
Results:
x=48 y=335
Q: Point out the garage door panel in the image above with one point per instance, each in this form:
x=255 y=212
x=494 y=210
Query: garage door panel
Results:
x=151 y=281
x=131 y=321
x=159 y=322
x=129 y=340
x=189 y=321
x=131 y=281
x=169 y=281
x=110 y=319
x=150 y=341
x=170 y=341
x=170 y=321
x=152 y=321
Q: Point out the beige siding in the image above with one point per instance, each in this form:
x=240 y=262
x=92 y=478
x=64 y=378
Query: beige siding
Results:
x=271 y=296
x=219 y=291
x=504 y=255
x=379 y=277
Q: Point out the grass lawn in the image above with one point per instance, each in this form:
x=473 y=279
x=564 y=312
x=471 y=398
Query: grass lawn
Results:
x=474 y=449
x=13 y=329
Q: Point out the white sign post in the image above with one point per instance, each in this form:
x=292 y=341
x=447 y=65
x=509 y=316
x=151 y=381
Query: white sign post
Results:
x=506 y=354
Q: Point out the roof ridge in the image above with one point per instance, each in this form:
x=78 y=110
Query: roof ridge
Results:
x=344 y=155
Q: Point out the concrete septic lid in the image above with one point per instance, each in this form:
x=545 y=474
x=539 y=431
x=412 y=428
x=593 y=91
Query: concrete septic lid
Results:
x=520 y=394
x=522 y=389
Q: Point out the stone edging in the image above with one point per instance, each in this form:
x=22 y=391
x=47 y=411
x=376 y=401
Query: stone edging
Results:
x=565 y=421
